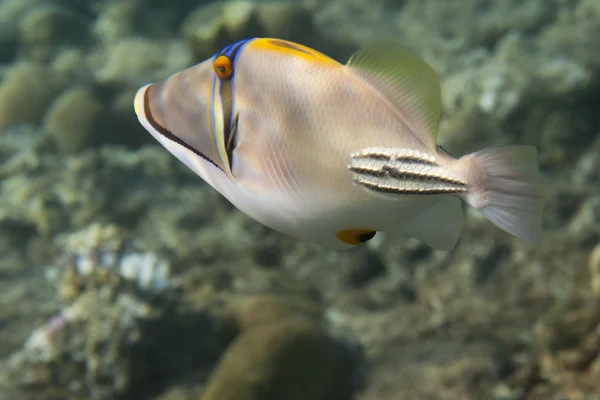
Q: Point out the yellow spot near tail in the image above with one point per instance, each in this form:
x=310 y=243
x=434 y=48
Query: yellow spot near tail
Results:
x=355 y=237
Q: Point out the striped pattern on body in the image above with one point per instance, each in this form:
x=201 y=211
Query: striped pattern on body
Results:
x=402 y=171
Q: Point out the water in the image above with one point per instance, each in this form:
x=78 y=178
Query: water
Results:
x=124 y=276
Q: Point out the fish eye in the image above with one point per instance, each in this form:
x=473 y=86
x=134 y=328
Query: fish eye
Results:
x=222 y=66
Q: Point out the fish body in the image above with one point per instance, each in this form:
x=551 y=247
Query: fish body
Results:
x=333 y=153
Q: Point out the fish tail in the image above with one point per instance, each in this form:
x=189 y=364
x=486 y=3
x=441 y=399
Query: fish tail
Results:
x=504 y=186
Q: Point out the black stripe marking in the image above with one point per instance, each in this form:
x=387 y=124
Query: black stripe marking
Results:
x=386 y=170
x=413 y=160
x=232 y=141
x=168 y=134
x=403 y=159
x=387 y=189
x=419 y=176
x=367 y=171
x=445 y=151
x=288 y=45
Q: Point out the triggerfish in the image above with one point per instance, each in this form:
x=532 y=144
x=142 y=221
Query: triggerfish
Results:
x=332 y=153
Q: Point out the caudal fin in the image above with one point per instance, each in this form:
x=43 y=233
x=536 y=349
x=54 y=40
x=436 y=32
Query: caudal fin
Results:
x=506 y=189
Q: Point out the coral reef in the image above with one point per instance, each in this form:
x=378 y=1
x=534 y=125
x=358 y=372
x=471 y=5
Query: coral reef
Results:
x=124 y=276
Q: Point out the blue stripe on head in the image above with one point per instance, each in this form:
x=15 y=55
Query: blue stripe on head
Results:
x=231 y=51
x=223 y=94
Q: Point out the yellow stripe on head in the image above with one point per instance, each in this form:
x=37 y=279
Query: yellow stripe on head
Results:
x=292 y=49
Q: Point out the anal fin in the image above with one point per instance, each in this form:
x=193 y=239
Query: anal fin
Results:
x=437 y=226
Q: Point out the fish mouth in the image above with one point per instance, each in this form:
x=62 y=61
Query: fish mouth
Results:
x=159 y=132
x=138 y=103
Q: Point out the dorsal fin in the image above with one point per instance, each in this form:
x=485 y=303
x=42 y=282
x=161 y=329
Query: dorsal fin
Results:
x=408 y=82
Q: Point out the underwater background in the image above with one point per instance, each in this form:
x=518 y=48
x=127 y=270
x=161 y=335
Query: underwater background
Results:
x=124 y=276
